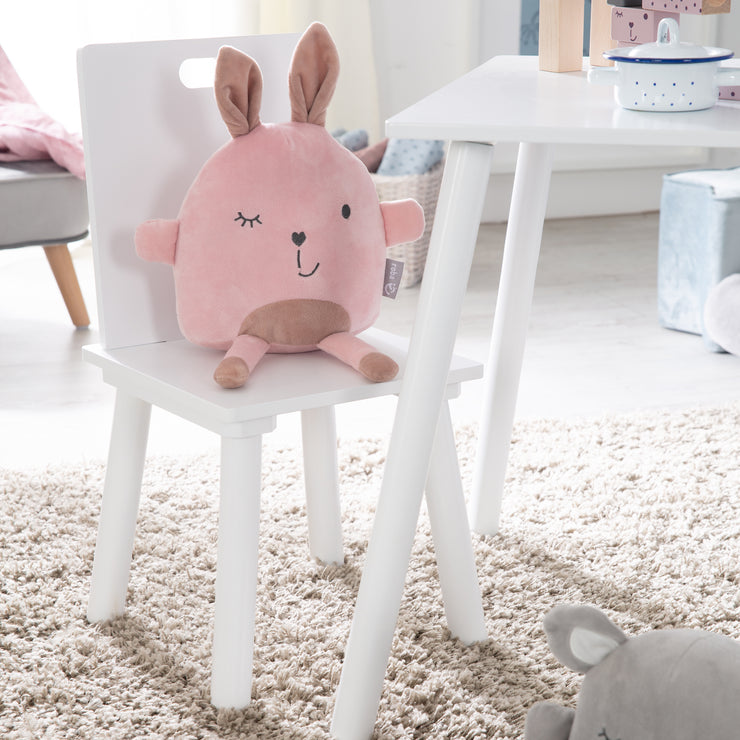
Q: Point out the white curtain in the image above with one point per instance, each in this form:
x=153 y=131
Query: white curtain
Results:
x=41 y=37
x=355 y=103
x=392 y=51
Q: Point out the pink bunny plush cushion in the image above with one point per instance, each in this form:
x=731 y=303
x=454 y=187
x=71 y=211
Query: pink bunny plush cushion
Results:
x=280 y=242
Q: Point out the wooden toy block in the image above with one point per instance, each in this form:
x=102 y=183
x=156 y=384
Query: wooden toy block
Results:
x=637 y=25
x=601 y=35
x=561 y=35
x=692 y=7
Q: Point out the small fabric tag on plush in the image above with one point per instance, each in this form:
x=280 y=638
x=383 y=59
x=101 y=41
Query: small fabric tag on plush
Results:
x=392 y=280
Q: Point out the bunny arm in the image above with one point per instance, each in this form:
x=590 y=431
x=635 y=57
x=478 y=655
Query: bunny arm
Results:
x=546 y=721
x=360 y=355
x=156 y=239
x=403 y=219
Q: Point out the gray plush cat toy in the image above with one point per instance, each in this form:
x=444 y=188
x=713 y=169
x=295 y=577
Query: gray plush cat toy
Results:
x=673 y=684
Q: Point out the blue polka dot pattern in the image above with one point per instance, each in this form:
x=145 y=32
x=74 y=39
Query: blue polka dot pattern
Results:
x=354 y=140
x=410 y=156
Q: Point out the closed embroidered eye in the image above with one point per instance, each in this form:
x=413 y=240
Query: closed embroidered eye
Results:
x=251 y=221
x=346 y=211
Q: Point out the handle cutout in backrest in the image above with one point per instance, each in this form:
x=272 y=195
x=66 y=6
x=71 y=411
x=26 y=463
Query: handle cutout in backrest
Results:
x=198 y=72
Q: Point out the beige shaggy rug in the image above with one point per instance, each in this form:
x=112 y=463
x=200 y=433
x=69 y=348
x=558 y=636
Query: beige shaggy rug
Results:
x=639 y=515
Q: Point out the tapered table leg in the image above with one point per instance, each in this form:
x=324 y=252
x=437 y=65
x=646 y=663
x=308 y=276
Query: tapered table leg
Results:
x=516 y=287
x=448 y=518
x=445 y=279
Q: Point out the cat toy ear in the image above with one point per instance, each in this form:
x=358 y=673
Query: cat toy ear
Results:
x=580 y=637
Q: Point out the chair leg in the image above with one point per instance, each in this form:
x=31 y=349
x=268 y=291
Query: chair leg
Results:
x=121 y=493
x=61 y=265
x=452 y=540
x=236 y=572
x=319 y=432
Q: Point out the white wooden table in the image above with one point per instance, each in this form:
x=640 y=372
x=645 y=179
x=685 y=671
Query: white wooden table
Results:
x=505 y=99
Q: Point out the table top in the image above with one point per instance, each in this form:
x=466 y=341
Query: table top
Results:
x=509 y=99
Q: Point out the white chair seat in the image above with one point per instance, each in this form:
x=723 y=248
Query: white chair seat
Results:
x=177 y=376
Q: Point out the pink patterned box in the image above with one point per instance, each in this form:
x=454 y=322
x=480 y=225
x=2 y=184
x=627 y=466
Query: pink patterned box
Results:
x=638 y=25
x=693 y=7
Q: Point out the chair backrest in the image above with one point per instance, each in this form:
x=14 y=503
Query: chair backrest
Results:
x=146 y=136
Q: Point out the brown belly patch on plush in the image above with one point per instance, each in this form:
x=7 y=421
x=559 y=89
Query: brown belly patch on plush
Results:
x=299 y=321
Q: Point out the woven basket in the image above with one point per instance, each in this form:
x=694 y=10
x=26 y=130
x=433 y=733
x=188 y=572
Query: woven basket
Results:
x=424 y=189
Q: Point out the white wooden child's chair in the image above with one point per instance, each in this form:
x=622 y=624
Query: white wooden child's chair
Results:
x=146 y=135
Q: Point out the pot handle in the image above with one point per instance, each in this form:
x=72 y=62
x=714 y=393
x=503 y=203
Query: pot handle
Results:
x=668 y=32
x=604 y=75
x=728 y=76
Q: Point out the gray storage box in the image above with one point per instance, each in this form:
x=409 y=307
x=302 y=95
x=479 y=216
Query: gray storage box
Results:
x=699 y=244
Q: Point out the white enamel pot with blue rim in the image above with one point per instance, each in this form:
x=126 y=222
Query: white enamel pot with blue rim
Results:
x=668 y=75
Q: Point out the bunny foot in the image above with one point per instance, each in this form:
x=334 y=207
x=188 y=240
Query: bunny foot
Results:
x=241 y=359
x=378 y=367
x=232 y=372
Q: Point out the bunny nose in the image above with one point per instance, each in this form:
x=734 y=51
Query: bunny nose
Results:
x=298 y=238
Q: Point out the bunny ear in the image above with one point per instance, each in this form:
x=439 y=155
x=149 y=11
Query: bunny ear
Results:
x=313 y=75
x=238 y=88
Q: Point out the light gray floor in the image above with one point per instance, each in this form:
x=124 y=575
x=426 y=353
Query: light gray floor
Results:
x=594 y=347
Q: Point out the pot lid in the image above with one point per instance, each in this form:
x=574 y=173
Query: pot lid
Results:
x=669 y=49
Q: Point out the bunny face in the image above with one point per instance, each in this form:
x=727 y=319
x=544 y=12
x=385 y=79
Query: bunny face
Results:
x=282 y=214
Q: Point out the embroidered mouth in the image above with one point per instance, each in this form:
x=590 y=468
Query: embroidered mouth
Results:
x=305 y=274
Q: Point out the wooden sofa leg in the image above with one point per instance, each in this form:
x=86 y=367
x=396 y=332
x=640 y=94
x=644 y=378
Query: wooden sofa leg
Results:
x=61 y=265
